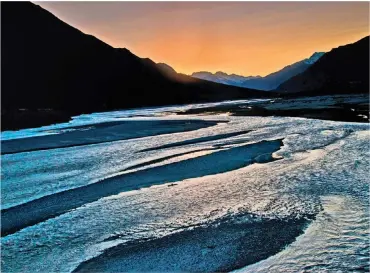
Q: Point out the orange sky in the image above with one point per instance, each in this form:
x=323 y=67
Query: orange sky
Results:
x=246 y=38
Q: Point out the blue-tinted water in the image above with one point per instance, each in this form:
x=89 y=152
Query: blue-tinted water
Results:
x=301 y=205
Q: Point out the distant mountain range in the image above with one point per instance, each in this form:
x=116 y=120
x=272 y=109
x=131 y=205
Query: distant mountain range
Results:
x=224 y=78
x=47 y=64
x=342 y=70
x=267 y=83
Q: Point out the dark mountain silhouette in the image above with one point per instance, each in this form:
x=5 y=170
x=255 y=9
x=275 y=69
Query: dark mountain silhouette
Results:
x=165 y=68
x=267 y=83
x=47 y=64
x=342 y=70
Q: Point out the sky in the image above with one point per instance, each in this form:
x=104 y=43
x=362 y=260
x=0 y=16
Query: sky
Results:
x=245 y=38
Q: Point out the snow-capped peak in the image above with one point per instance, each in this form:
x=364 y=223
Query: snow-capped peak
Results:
x=314 y=58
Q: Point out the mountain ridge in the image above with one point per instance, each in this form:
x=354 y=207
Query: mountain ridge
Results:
x=48 y=64
x=344 y=69
x=266 y=83
x=222 y=77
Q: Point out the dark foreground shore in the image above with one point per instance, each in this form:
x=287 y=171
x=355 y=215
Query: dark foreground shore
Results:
x=26 y=118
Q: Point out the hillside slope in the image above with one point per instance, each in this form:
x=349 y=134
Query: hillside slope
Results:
x=342 y=70
x=47 y=64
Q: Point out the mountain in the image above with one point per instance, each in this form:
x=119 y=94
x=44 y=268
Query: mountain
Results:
x=267 y=83
x=342 y=70
x=166 y=69
x=47 y=64
x=222 y=77
x=273 y=80
x=314 y=58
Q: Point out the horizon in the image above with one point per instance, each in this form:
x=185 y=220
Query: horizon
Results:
x=206 y=36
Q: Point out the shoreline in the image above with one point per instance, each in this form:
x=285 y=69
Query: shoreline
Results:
x=335 y=108
x=341 y=111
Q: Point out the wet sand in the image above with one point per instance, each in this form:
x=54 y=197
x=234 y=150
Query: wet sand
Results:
x=103 y=132
x=33 y=212
x=196 y=140
x=223 y=247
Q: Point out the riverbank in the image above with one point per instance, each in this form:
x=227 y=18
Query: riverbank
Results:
x=350 y=108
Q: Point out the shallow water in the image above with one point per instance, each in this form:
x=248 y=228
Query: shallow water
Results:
x=302 y=206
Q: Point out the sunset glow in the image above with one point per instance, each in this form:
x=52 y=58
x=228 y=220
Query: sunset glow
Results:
x=246 y=38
